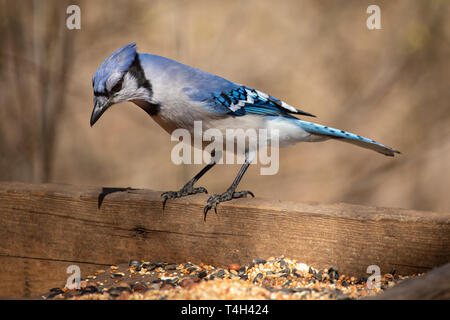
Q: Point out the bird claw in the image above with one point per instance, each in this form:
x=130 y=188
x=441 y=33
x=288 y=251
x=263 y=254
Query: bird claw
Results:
x=215 y=199
x=185 y=191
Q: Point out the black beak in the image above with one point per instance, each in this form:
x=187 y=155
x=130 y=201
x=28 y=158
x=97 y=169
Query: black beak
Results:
x=100 y=106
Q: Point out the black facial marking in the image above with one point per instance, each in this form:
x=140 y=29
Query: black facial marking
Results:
x=117 y=87
x=99 y=94
x=136 y=71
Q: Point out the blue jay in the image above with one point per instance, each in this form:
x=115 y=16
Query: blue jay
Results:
x=175 y=95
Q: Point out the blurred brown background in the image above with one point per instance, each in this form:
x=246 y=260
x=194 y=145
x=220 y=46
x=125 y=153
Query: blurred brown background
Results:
x=391 y=85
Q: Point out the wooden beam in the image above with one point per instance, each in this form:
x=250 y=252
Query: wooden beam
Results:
x=47 y=227
x=433 y=285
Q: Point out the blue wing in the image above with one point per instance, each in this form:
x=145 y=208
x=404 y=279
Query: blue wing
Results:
x=223 y=96
x=243 y=100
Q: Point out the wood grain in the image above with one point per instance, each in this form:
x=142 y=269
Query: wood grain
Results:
x=47 y=227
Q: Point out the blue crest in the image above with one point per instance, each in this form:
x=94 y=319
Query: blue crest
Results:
x=113 y=67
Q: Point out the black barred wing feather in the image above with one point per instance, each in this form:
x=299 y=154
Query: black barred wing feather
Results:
x=244 y=100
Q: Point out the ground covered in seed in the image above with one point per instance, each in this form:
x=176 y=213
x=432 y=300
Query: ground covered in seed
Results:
x=273 y=278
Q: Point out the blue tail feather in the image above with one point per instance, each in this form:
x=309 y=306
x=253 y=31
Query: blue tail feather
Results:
x=349 y=137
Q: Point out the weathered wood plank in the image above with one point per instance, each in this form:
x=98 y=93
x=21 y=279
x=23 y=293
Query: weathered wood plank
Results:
x=435 y=284
x=26 y=277
x=90 y=226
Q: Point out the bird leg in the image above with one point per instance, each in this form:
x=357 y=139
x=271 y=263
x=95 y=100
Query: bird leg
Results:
x=231 y=193
x=188 y=188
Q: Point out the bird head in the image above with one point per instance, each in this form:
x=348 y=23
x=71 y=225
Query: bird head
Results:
x=120 y=78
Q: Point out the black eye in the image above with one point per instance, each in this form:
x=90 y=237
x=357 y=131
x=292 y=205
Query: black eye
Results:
x=117 y=87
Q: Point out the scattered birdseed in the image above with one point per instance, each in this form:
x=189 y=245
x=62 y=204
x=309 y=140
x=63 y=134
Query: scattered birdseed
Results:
x=272 y=278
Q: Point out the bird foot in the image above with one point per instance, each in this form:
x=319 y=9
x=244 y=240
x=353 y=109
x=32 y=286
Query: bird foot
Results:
x=215 y=199
x=187 y=190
